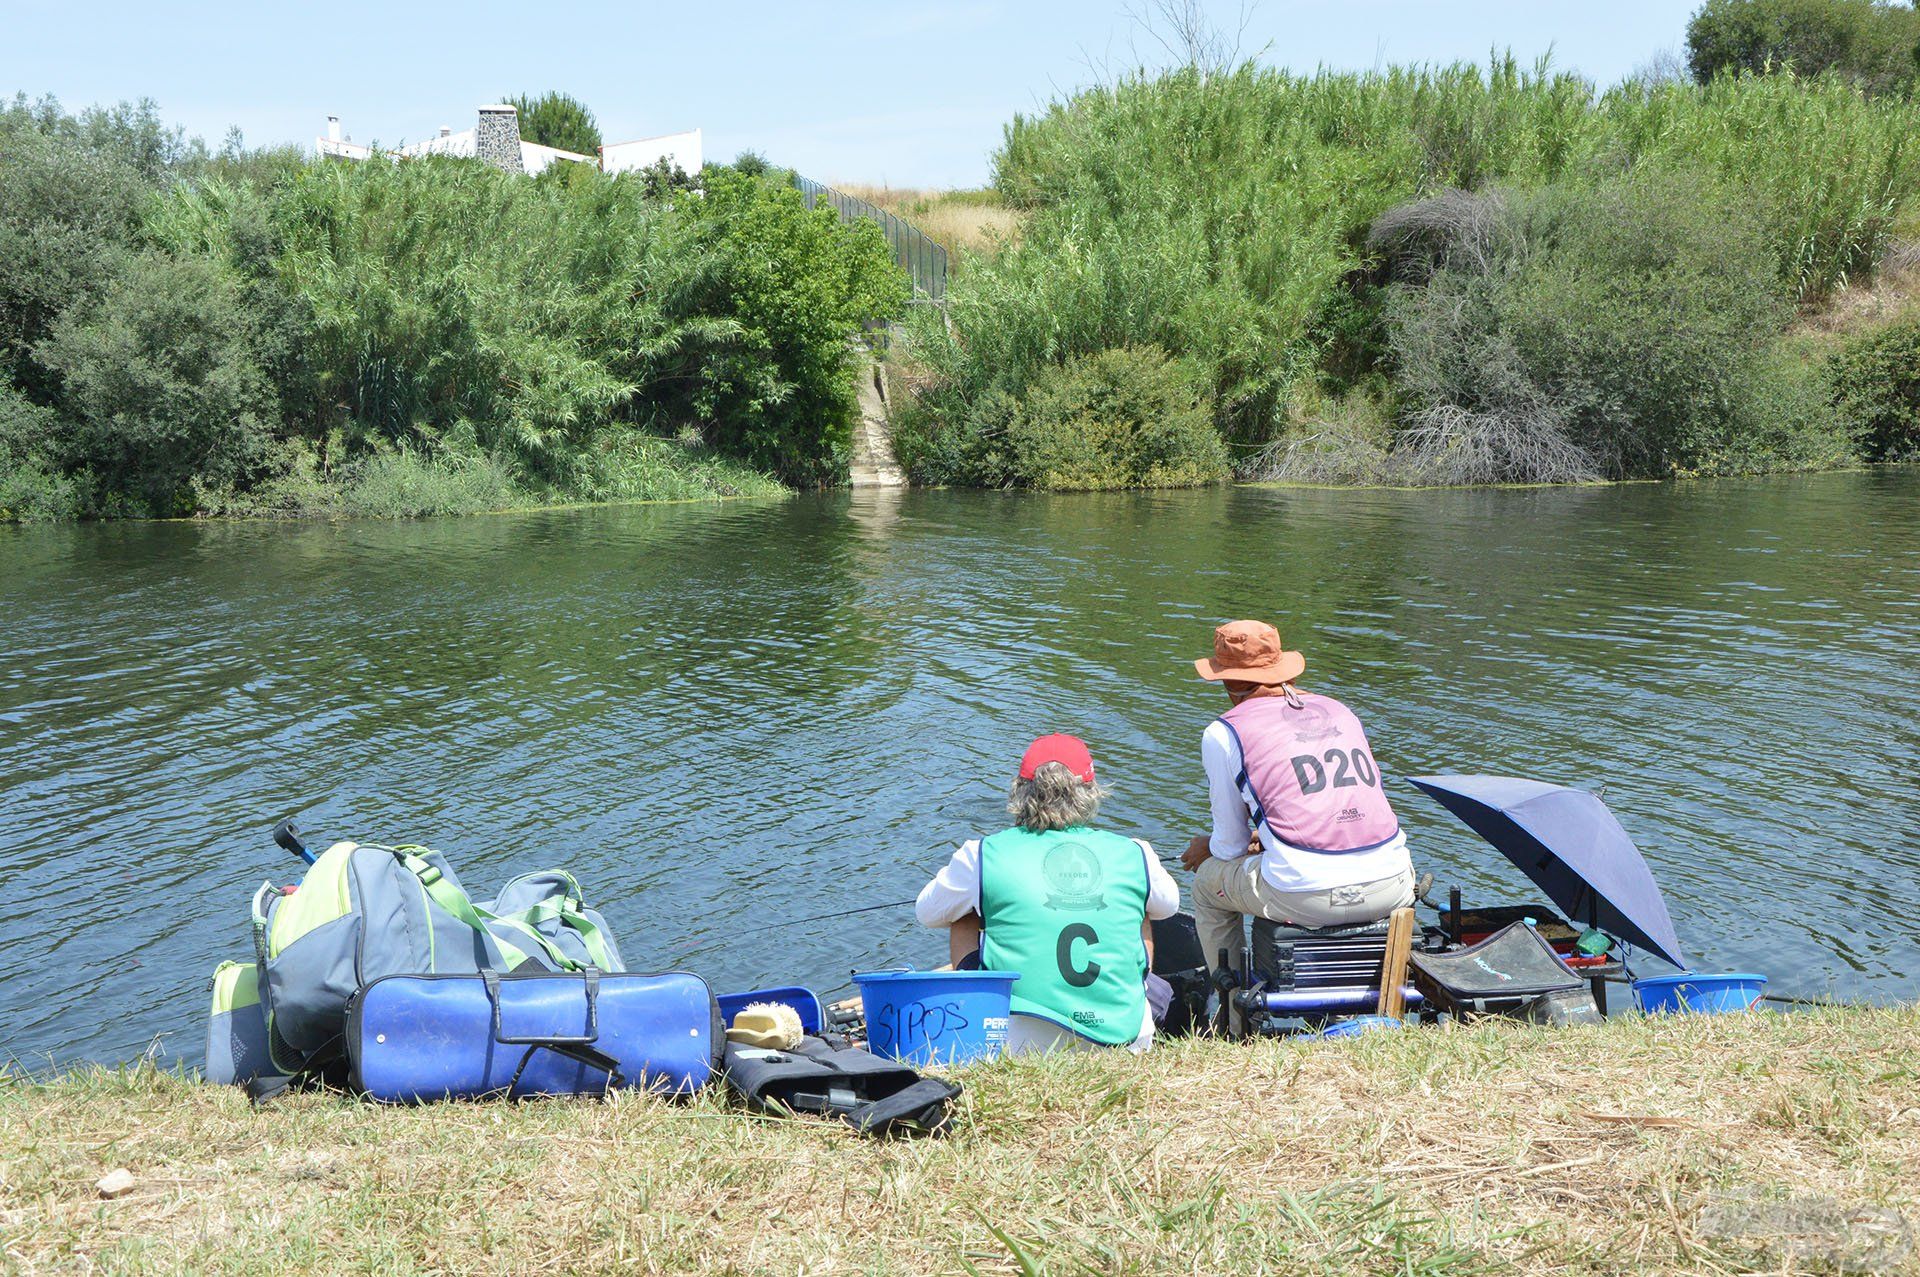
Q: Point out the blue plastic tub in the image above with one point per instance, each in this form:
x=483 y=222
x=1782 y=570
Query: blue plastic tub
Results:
x=1354 y=1026
x=1706 y=992
x=801 y=1000
x=936 y=1017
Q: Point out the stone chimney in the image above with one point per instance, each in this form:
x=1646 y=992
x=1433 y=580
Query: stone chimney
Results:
x=333 y=128
x=446 y=130
x=497 y=140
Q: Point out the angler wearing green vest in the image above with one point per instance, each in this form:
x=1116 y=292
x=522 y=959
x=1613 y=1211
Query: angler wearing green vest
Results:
x=1062 y=903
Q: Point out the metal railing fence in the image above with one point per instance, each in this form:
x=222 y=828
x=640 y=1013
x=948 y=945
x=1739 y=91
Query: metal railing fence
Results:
x=919 y=255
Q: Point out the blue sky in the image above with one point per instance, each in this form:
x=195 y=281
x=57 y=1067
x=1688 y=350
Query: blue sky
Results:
x=905 y=93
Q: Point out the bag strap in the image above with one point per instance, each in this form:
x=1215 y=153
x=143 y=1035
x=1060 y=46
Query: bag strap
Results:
x=590 y=935
x=456 y=902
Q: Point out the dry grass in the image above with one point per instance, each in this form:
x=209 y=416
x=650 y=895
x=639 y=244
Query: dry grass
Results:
x=1891 y=293
x=1494 y=1149
x=970 y=221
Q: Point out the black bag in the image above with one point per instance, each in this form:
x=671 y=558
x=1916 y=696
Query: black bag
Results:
x=832 y=1077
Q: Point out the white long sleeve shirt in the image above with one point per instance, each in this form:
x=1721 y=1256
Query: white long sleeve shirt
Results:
x=1284 y=866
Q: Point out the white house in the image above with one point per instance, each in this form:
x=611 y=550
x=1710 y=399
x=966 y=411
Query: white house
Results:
x=681 y=149
x=496 y=139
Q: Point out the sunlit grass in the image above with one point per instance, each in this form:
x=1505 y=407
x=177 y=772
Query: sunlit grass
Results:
x=1497 y=1149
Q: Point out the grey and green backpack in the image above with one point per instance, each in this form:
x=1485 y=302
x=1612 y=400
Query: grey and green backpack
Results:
x=364 y=911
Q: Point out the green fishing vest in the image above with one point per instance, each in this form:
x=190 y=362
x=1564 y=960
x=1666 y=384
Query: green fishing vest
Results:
x=1064 y=908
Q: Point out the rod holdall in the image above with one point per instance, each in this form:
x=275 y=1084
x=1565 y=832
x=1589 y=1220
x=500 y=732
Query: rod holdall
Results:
x=415 y=1038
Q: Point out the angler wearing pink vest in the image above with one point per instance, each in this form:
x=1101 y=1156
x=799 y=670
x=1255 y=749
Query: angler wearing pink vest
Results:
x=1303 y=833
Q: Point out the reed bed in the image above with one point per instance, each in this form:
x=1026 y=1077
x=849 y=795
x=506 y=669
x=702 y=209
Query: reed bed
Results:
x=1638 y=1146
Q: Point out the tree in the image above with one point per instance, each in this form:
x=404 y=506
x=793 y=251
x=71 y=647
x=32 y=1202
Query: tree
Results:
x=554 y=119
x=1871 y=43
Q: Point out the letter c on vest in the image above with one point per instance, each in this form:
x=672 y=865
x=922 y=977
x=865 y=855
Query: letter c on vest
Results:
x=1063 y=953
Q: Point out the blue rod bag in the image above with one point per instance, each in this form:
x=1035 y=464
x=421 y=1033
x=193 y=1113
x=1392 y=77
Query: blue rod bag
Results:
x=430 y=1037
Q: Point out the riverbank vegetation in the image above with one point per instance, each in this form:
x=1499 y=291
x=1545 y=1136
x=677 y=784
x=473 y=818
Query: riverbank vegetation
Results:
x=1439 y=274
x=1780 y=1143
x=243 y=332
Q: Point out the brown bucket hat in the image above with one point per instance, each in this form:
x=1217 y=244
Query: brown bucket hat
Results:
x=1250 y=652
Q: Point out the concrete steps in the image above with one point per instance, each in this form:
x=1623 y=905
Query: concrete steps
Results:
x=873 y=463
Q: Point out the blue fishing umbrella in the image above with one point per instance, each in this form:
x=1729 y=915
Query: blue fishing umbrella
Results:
x=1571 y=846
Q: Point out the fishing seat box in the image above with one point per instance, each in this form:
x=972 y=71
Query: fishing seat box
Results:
x=1514 y=972
x=430 y=1037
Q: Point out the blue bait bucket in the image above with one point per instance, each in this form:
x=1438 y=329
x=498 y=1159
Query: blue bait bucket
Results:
x=1354 y=1026
x=1708 y=993
x=936 y=1017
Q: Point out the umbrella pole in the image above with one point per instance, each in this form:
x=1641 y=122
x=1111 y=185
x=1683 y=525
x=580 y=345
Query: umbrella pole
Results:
x=1597 y=983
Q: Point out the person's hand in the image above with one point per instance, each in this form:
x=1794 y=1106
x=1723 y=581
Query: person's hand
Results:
x=1198 y=852
x=1253 y=843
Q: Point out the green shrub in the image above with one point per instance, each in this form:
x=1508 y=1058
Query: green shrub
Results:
x=1128 y=417
x=30 y=491
x=1623 y=330
x=408 y=485
x=772 y=295
x=1122 y=418
x=1224 y=217
x=1867 y=42
x=72 y=191
x=162 y=386
x=1875 y=381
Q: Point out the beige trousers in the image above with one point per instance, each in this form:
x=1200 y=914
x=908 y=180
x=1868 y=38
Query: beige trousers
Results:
x=1226 y=892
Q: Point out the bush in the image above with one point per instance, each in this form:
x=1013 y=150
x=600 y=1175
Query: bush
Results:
x=29 y=490
x=1867 y=42
x=72 y=191
x=1875 y=381
x=162 y=385
x=772 y=295
x=1123 y=418
x=1623 y=330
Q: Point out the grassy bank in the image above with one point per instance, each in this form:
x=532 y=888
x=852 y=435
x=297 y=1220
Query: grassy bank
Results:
x=1426 y=275
x=183 y=332
x=1647 y=1146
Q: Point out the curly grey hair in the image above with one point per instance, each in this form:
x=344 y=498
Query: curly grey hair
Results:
x=1054 y=799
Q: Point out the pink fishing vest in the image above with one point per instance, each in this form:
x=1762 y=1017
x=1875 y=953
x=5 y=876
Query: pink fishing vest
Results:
x=1310 y=774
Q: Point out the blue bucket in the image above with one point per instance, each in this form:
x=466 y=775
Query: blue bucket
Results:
x=1708 y=993
x=929 y=1017
x=1354 y=1026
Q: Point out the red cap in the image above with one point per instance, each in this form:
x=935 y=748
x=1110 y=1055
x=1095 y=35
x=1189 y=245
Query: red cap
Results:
x=1069 y=751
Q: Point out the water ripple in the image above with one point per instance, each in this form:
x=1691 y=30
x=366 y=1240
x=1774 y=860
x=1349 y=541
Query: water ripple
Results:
x=722 y=717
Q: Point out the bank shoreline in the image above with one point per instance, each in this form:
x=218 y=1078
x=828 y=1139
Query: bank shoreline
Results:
x=1274 y=485
x=1641 y=1145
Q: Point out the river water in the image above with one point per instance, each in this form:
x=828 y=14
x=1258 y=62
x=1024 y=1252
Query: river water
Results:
x=725 y=716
